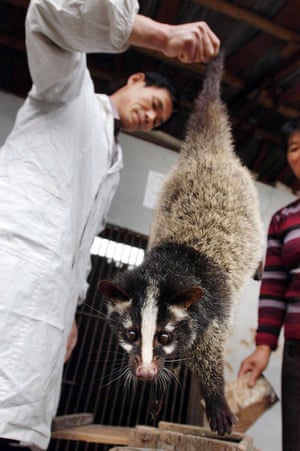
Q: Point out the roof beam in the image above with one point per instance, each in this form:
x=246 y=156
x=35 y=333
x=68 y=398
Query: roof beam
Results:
x=251 y=18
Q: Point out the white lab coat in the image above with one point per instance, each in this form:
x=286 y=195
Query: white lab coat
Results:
x=56 y=186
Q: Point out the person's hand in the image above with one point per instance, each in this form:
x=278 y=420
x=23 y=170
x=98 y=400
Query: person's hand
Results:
x=192 y=43
x=72 y=341
x=255 y=363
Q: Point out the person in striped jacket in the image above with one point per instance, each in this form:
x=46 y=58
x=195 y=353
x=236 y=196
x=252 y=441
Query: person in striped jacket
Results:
x=279 y=301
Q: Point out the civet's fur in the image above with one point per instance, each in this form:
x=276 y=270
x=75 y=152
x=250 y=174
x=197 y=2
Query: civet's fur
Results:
x=205 y=243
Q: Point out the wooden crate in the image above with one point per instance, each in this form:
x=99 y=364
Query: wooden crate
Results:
x=179 y=437
x=248 y=404
x=166 y=437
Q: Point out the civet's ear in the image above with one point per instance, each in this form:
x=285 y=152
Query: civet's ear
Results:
x=112 y=292
x=188 y=297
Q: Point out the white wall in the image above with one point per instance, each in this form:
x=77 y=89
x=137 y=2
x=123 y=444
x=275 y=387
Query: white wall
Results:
x=140 y=157
x=128 y=210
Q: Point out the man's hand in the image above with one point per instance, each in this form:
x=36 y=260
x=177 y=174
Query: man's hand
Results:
x=192 y=42
x=72 y=341
x=255 y=363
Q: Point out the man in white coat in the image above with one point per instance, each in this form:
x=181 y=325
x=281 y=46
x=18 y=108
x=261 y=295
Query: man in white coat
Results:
x=58 y=174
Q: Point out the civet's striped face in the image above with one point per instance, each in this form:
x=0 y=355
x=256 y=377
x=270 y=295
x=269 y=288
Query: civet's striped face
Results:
x=149 y=329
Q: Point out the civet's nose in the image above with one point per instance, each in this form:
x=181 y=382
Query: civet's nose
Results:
x=146 y=372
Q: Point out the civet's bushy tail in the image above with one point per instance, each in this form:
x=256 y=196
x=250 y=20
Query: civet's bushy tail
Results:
x=209 y=119
x=212 y=81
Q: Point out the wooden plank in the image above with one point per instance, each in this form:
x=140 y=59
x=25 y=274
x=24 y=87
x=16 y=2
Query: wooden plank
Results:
x=170 y=441
x=182 y=437
x=198 y=431
x=144 y=436
x=71 y=421
x=94 y=433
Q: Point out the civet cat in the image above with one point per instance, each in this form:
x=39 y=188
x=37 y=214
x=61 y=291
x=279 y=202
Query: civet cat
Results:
x=206 y=242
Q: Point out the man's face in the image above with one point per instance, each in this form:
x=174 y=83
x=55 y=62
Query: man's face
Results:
x=144 y=107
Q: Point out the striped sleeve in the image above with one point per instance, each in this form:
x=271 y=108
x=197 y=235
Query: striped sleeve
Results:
x=272 y=304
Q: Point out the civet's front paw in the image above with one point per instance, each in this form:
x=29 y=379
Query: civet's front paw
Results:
x=220 y=417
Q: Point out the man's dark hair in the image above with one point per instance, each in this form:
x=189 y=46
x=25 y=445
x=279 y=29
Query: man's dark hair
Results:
x=288 y=128
x=156 y=79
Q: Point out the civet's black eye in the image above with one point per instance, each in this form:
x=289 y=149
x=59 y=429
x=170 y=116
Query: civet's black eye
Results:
x=164 y=338
x=131 y=335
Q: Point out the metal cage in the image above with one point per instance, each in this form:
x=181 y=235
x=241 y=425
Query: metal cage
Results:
x=92 y=379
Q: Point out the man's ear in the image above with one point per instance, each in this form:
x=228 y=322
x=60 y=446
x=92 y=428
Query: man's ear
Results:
x=136 y=78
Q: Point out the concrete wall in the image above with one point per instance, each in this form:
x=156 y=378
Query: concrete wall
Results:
x=131 y=208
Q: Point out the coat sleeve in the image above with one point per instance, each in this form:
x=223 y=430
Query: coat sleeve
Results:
x=60 y=32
